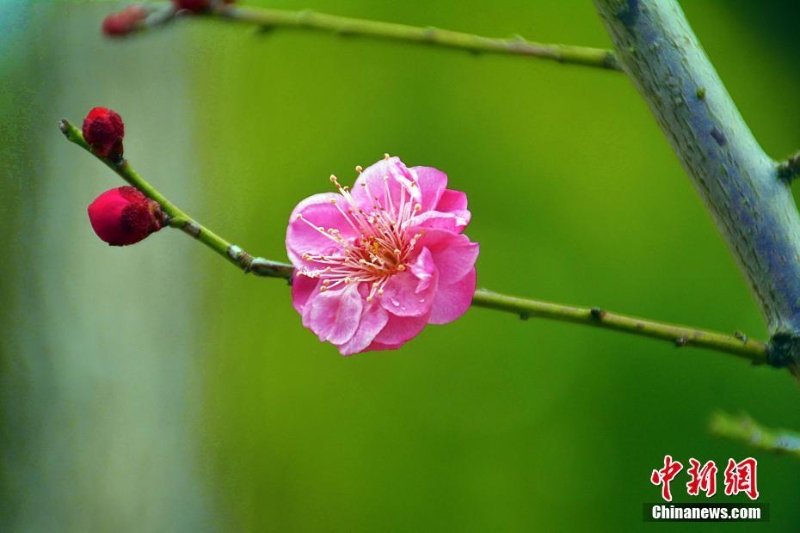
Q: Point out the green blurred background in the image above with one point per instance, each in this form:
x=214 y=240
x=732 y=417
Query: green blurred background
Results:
x=156 y=388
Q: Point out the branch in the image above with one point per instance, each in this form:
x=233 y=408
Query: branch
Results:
x=267 y=19
x=178 y=219
x=753 y=209
x=744 y=428
x=789 y=169
x=737 y=344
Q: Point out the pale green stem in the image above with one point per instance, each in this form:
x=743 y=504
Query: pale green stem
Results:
x=744 y=428
x=267 y=18
x=179 y=219
x=737 y=344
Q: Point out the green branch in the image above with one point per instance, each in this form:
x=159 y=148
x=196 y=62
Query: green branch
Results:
x=744 y=428
x=737 y=344
x=268 y=19
x=179 y=219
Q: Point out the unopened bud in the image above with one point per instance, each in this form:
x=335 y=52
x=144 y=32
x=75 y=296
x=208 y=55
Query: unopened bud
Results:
x=103 y=130
x=195 y=6
x=124 y=216
x=199 y=6
x=124 y=22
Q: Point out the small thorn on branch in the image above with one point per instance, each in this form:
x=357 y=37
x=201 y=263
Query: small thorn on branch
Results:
x=789 y=169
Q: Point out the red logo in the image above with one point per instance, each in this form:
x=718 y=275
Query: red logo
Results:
x=739 y=477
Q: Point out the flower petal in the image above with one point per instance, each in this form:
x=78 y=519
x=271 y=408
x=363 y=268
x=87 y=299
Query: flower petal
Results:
x=452 y=222
x=452 y=201
x=388 y=175
x=454 y=254
x=304 y=236
x=424 y=269
x=400 y=329
x=411 y=293
x=373 y=320
x=453 y=300
x=334 y=315
x=302 y=289
x=377 y=347
x=432 y=183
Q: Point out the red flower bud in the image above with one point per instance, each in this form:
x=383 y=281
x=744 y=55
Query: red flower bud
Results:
x=195 y=6
x=124 y=216
x=125 y=21
x=103 y=130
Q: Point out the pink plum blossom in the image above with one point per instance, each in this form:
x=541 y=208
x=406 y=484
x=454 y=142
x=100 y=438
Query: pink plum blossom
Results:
x=375 y=264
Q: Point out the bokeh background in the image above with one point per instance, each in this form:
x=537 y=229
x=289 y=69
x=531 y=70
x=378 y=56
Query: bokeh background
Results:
x=156 y=388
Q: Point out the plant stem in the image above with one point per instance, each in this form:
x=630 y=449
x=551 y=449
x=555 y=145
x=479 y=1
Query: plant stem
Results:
x=179 y=219
x=266 y=18
x=738 y=344
x=744 y=428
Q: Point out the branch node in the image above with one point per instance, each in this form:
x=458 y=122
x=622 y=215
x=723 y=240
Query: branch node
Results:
x=783 y=349
x=788 y=170
x=597 y=313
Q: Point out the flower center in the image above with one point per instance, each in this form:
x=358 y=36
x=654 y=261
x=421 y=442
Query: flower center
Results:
x=382 y=247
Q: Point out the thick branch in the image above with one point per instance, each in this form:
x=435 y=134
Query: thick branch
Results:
x=739 y=183
x=738 y=344
x=744 y=428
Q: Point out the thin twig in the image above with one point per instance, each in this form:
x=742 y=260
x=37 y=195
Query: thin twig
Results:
x=268 y=19
x=744 y=428
x=179 y=219
x=737 y=344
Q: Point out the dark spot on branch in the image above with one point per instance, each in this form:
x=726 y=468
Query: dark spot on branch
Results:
x=741 y=336
x=610 y=61
x=629 y=15
x=788 y=170
x=718 y=136
x=597 y=313
x=682 y=341
x=783 y=349
x=524 y=316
